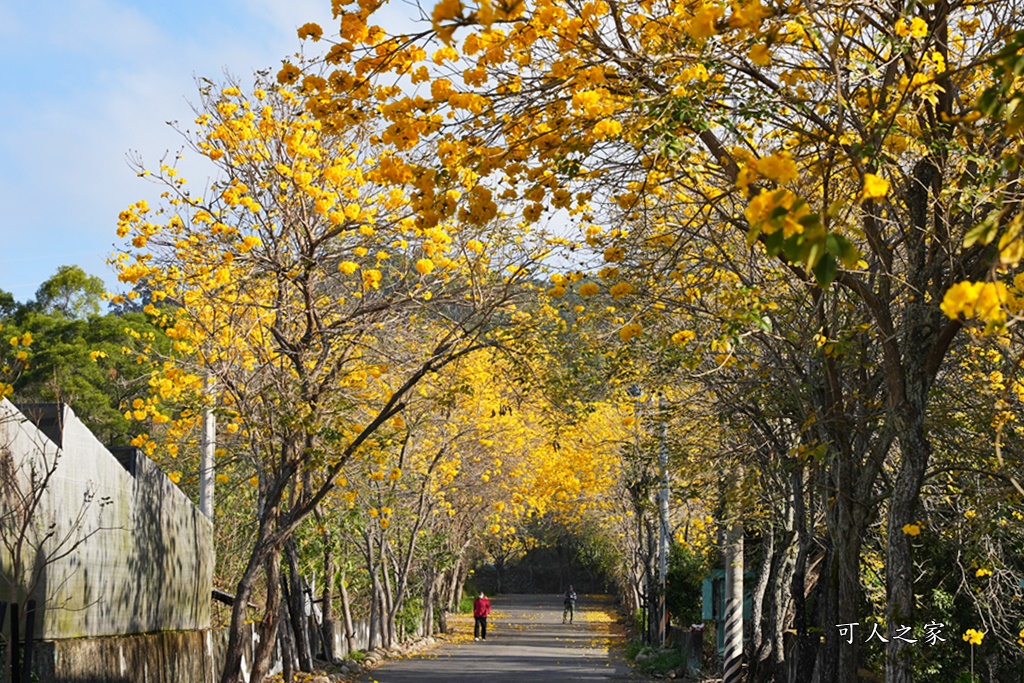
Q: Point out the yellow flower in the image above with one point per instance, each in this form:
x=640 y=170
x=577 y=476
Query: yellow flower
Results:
x=310 y=30
x=779 y=168
x=289 y=73
x=424 y=266
x=606 y=128
x=771 y=211
x=760 y=55
x=532 y=212
x=629 y=331
x=175 y=477
x=348 y=267
x=249 y=242
x=703 y=24
x=915 y=28
x=620 y=290
x=983 y=572
x=371 y=279
x=614 y=254
x=683 y=336
x=912 y=529
x=222 y=478
x=973 y=636
x=960 y=298
x=589 y=289
x=254 y=481
x=875 y=187
x=232 y=428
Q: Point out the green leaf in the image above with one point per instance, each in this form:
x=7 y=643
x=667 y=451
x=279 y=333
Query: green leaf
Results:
x=984 y=232
x=842 y=249
x=773 y=242
x=825 y=270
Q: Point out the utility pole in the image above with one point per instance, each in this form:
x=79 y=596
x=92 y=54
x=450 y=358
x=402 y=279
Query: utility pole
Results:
x=734 y=587
x=664 y=530
x=207 y=446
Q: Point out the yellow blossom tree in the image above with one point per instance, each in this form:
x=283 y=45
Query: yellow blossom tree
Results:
x=281 y=285
x=840 y=140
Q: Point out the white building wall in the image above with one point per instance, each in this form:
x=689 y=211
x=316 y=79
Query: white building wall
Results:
x=145 y=559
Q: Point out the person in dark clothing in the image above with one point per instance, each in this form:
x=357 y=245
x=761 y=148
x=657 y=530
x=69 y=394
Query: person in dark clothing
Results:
x=570 y=605
x=481 y=608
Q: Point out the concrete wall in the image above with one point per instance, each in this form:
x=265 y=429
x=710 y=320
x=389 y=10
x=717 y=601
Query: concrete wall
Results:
x=336 y=632
x=165 y=657
x=145 y=562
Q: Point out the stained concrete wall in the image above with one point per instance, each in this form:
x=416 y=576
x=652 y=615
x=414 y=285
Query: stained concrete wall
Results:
x=165 y=657
x=145 y=562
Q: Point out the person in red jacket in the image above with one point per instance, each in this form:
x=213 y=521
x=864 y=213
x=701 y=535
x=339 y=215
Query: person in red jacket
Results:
x=481 y=608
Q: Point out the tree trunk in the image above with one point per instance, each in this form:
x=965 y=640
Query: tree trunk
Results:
x=801 y=666
x=761 y=590
x=760 y=646
x=327 y=598
x=297 y=609
x=779 y=607
x=232 y=672
x=840 y=585
x=269 y=625
x=899 y=569
x=454 y=591
x=460 y=586
x=289 y=657
x=346 y=614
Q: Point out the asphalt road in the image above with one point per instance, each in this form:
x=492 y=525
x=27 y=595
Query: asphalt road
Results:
x=526 y=641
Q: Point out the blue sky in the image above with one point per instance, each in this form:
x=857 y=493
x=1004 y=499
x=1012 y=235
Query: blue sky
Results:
x=86 y=82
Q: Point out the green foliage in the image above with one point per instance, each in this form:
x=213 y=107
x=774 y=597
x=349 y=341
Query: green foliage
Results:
x=81 y=363
x=686 y=572
x=1003 y=99
x=8 y=305
x=71 y=293
x=81 y=360
x=411 y=615
x=649 y=661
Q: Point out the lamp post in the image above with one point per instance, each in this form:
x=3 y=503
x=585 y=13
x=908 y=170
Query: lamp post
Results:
x=207 y=447
x=663 y=527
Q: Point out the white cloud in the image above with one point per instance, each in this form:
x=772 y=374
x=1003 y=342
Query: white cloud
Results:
x=87 y=81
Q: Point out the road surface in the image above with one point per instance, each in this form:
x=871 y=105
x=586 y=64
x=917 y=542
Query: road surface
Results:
x=526 y=641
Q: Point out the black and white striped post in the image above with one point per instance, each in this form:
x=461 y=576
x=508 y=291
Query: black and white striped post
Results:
x=733 y=654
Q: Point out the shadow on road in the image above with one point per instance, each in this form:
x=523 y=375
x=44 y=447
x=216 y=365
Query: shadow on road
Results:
x=526 y=641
